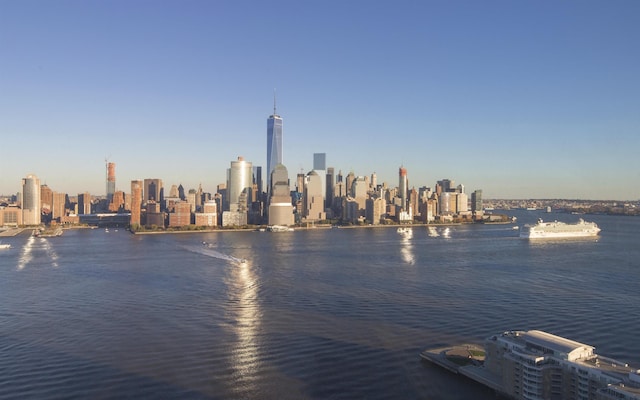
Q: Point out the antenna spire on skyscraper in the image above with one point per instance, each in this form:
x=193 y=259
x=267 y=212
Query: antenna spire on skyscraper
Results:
x=274 y=101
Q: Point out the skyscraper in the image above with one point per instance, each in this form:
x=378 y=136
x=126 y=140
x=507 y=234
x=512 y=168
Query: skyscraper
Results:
x=136 y=202
x=328 y=197
x=280 y=207
x=239 y=185
x=274 y=142
x=153 y=190
x=403 y=187
x=84 y=203
x=313 y=197
x=111 y=181
x=31 y=200
x=319 y=161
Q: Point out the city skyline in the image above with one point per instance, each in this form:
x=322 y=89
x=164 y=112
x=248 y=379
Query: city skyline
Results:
x=522 y=100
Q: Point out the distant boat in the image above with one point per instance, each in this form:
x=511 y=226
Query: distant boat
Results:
x=556 y=229
x=47 y=233
x=403 y=230
x=279 y=228
x=5 y=246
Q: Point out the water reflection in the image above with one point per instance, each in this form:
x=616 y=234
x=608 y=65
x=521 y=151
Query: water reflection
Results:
x=406 y=249
x=245 y=306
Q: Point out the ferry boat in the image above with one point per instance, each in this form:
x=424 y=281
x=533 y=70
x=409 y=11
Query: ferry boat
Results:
x=403 y=230
x=556 y=229
x=279 y=228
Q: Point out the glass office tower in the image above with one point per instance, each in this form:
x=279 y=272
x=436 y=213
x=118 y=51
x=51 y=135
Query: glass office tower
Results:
x=274 y=143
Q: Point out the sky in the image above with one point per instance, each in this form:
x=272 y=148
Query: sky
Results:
x=522 y=99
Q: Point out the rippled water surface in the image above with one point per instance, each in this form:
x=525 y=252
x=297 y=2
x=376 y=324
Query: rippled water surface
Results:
x=317 y=314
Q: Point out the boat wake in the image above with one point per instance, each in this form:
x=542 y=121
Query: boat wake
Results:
x=206 y=250
x=37 y=245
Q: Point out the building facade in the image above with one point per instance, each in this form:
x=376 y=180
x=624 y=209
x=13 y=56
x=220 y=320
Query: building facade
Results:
x=153 y=190
x=280 y=207
x=403 y=187
x=30 y=200
x=274 y=142
x=111 y=181
x=313 y=198
x=539 y=365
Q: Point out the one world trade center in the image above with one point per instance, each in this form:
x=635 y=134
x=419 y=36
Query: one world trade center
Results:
x=274 y=143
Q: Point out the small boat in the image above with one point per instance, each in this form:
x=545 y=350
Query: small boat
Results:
x=404 y=230
x=4 y=246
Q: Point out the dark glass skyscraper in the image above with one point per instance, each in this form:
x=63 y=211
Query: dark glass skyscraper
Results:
x=274 y=143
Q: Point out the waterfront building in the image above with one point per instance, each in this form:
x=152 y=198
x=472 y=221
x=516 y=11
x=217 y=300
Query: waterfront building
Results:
x=280 y=207
x=209 y=215
x=313 y=198
x=111 y=181
x=136 y=202
x=84 y=203
x=239 y=185
x=274 y=142
x=10 y=215
x=155 y=216
x=239 y=193
x=59 y=206
x=30 y=200
x=376 y=210
x=462 y=203
x=350 y=210
x=447 y=203
x=476 y=202
x=539 y=365
x=429 y=210
x=234 y=218
x=181 y=214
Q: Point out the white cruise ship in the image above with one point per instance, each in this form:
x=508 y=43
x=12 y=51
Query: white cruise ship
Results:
x=555 y=229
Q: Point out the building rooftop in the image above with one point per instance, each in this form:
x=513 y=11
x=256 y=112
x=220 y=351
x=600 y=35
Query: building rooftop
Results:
x=557 y=344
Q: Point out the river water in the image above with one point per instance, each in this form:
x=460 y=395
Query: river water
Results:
x=315 y=314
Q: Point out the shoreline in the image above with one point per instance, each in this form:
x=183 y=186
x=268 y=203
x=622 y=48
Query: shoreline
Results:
x=11 y=232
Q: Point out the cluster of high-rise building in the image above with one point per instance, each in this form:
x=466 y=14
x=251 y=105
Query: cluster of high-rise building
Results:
x=317 y=196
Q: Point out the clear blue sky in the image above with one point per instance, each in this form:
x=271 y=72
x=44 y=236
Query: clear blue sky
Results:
x=523 y=99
